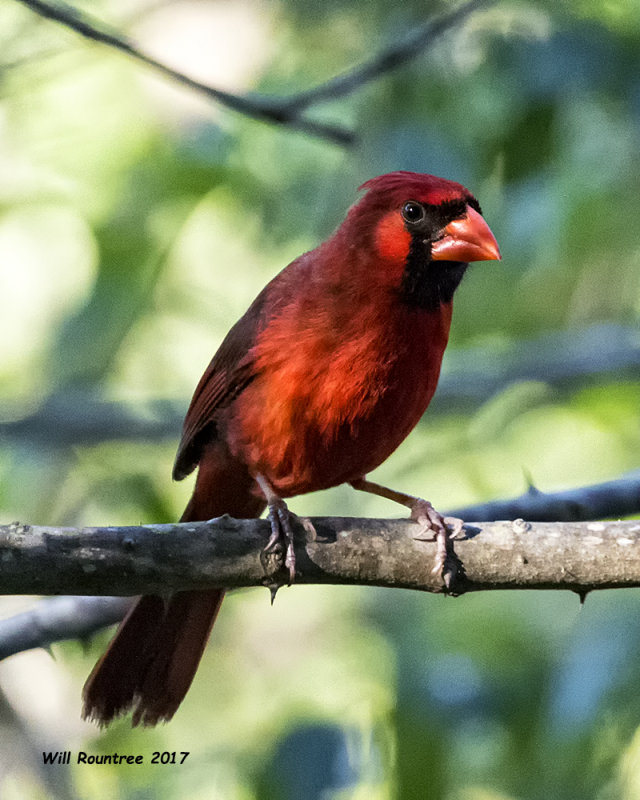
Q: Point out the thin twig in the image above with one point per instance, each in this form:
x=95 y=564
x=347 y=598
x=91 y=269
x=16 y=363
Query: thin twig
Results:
x=387 y=60
x=254 y=107
x=287 y=111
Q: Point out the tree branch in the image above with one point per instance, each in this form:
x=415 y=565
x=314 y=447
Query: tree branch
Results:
x=619 y=498
x=287 y=111
x=227 y=553
x=388 y=59
x=562 y=359
x=76 y=617
x=57 y=619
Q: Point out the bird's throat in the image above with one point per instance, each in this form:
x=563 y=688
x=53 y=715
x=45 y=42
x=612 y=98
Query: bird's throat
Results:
x=428 y=284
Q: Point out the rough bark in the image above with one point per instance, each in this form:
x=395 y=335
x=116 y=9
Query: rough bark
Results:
x=226 y=552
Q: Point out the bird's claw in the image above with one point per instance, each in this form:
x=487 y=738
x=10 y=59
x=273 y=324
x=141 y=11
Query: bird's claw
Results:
x=442 y=530
x=281 y=520
x=432 y=522
x=455 y=526
x=282 y=532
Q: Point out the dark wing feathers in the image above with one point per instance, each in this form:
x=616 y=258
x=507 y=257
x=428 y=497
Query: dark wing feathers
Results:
x=230 y=371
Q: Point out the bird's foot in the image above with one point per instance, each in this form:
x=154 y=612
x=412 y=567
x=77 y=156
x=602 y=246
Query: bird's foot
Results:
x=280 y=519
x=431 y=523
x=282 y=535
x=442 y=530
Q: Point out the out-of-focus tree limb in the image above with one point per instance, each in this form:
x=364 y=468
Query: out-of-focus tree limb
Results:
x=388 y=59
x=288 y=111
x=619 y=498
x=58 y=618
x=78 y=418
x=563 y=359
x=471 y=375
x=255 y=107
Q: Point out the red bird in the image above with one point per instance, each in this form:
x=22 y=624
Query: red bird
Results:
x=317 y=384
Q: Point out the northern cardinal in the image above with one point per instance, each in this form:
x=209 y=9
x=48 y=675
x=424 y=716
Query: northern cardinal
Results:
x=317 y=384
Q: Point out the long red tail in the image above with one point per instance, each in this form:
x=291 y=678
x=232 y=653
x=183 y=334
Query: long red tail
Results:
x=150 y=663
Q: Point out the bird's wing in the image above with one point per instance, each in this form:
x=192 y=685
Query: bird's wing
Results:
x=230 y=371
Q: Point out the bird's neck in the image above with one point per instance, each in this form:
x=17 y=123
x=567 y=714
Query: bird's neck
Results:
x=428 y=285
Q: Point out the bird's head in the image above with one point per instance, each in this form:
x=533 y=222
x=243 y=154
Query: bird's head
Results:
x=420 y=233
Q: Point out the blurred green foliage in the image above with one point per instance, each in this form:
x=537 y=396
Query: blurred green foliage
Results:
x=137 y=223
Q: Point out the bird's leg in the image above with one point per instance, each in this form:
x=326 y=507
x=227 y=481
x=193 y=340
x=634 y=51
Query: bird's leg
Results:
x=280 y=518
x=442 y=530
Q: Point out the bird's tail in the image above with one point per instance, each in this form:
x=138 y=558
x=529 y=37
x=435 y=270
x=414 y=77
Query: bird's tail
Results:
x=150 y=663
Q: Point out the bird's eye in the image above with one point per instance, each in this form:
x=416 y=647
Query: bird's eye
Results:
x=413 y=212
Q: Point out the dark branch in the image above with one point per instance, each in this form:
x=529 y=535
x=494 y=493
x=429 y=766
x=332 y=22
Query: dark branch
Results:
x=287 y=111
x=78 y=418
x=561 y=359
x=254 y=107
x=57 y=619
x=387 y=60
x=63 y=618
x=226 y=553
x=619 y=498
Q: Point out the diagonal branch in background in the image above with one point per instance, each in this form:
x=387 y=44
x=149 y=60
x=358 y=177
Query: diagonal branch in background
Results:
x=388 y=59
x=57 y=619
x=619 y=498
x=287 y=111
x=257 y=108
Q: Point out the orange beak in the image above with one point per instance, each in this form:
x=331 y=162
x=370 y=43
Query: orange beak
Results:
x=466 y=239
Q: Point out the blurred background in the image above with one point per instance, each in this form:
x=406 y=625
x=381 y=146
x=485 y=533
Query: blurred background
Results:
x=137 y=222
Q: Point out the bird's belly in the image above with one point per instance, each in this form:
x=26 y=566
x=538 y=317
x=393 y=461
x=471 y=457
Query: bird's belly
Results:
x=306 y=429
